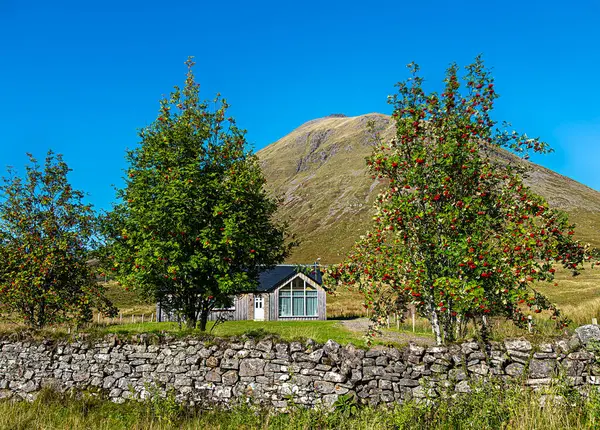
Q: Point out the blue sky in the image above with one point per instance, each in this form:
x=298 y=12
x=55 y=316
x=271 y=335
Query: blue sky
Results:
x=82 y=77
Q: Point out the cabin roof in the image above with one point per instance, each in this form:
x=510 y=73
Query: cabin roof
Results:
x=270 y=279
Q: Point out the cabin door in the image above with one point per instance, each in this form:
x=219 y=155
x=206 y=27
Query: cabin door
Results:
x=259 y=308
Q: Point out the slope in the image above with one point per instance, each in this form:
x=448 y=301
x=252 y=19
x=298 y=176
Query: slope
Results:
x=319 y=171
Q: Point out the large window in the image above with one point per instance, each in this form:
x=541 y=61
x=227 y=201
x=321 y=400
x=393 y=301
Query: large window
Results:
x=298 y=299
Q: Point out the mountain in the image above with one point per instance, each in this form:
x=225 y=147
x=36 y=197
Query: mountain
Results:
x=319 y=170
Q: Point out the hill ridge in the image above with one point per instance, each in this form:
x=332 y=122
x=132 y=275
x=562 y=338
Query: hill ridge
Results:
x=320 y=172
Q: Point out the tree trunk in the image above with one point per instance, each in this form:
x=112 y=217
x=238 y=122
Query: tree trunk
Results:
x=485 y=330
x=449 y=325
x=203 y=319
x=435 y=324
x=190 y=323
x=191 y=317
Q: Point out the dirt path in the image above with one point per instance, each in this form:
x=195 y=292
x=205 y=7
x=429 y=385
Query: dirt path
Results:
x=361 y=325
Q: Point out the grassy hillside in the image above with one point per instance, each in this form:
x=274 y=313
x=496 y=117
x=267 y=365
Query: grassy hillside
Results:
x=319 y=169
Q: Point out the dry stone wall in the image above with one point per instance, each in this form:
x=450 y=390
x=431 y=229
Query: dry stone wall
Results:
x=274 y=373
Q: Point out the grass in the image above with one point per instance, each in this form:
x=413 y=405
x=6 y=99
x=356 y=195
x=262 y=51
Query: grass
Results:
x=489 y=406
x=320 y=331
x=345 y=303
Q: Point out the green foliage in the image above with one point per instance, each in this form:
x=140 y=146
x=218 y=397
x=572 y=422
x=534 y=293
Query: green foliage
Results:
x=46 y=232
x=346 y=405
x=163 y=407
x=457 y=234
x=195 y=225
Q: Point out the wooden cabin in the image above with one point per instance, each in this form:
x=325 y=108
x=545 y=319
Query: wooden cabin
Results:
x=284 y=293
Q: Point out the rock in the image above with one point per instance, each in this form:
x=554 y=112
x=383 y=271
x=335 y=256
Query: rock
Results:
x=381 y=361
x=541 y=368
x=281 y=348
x=223 y=392
x=331 y=348
x=469 y=347
x=581 y=355
x=463 y=387
x=514 y=369
x=80 y=376
x=28 y=386
x=385 y=385
x=296 y=347
x=230 y=377
x=387 y=396
x=324 y=387
x=370 y=372
x=574 y=368
x=211 y=376
x=520 y=345
x=416 y=350
x=538 y=381
x=479 y=369
x=438 y=368
x=457 y=374
x=182 y=380
x=593 y=380
x=573 y=343
x=265 y=345
x=408 y=383
x=329 y=399
x=252 y=367
x=115 y=392
x=437 y=350
x=315 y=356
x=422 y=392
x=477 y=355
x=356 y=375
x=212 y=361
x=351 y=356
x=230 y=363
x=334 y=377
x=588 y=333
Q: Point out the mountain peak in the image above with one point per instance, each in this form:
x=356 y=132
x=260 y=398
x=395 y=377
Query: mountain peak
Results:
x=320 y=172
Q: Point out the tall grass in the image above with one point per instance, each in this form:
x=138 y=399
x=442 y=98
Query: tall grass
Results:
x=489 y=406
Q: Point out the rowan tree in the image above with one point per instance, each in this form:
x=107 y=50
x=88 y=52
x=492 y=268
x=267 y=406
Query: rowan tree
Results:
x=46 y=233
x=457 y=233
x=194 y=226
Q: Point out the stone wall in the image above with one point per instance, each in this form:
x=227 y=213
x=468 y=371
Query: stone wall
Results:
x=273 y=372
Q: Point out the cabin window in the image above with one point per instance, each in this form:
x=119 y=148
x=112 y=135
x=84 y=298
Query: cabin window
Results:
x=298 y=299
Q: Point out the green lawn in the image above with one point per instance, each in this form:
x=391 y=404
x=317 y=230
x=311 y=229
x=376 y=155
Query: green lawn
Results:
x=320 y=331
